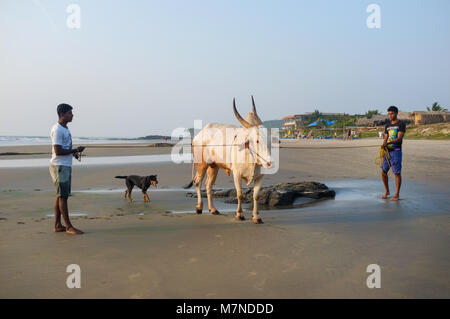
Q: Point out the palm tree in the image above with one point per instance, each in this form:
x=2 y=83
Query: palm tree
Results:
x=316 y=115
x=436 y=107
x=371 y=113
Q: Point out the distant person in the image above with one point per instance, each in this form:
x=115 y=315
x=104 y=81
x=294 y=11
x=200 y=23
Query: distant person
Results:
x=380 y=134
x=393 y=138
x=61 y=167
x=349 y=134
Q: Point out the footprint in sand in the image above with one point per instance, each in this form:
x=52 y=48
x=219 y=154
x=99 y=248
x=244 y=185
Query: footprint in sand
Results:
x=290 y=267
x=192 y=260
x=260 y=285
x=221 y=243
x=134 y=276
x=17 y=275
x=262 y=255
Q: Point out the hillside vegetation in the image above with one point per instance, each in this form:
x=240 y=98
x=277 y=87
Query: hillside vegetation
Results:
x=429 y=131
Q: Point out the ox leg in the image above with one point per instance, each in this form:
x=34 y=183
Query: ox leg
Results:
x=212 y=174
x=237 y=185
x=201 y=170
x=257 y=186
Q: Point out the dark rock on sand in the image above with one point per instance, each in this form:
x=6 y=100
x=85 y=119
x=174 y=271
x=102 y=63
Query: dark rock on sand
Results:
x=282 y=194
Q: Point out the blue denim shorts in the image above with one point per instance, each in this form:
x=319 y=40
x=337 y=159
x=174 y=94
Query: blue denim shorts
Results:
x=62 y=179
x=395 y=161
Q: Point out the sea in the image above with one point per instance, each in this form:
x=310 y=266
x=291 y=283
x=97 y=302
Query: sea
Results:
x=45 y=140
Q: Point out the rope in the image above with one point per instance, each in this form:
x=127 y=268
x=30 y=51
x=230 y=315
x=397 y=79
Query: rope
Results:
x=252 y=152
x=384 y=153
x=78 y=154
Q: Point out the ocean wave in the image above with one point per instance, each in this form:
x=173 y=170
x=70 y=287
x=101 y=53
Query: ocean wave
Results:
x=44 y=140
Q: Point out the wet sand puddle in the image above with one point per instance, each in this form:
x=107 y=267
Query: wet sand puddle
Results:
x=95 y=160
x=167 y=200
x=174 y=200
x=354 y=199
x=360 y=200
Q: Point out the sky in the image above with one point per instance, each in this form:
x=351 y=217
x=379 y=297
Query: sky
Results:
x=137 y=68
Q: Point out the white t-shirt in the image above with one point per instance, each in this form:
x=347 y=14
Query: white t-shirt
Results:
x=61 y=136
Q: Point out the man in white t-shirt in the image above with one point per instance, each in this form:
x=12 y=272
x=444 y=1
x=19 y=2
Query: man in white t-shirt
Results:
x=61 y=167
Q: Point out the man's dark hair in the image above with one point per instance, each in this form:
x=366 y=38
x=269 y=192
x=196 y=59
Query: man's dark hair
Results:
x=393 y=109
x=63 y=108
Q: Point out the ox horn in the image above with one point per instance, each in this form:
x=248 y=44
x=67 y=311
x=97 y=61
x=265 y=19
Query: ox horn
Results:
x=258 y=120
x=239 y=117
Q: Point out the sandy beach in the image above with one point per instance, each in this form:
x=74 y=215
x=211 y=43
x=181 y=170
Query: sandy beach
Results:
x=162 y=249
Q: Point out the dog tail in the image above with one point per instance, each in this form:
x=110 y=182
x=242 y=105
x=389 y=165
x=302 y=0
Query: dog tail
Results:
x=189 y=185
x=192 y=179
x=121 y=176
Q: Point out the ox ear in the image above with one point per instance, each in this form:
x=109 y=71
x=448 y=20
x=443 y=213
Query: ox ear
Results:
x=247 y=144
x=244 y=145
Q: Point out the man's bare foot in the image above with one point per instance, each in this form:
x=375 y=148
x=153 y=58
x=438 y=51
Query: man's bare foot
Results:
x=73 y=231
x=59 y=228
x=385 y=195
x=395 y=198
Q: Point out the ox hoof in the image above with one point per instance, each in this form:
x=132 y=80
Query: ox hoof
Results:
x=257 y=221
x=239 y=217
x=216 y=212
x=198 y=211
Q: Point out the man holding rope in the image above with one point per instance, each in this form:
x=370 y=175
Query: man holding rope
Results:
x=393 y=138
x=61 y=167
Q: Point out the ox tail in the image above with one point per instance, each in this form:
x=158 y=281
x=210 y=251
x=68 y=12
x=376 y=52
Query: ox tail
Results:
x=120 y=176
x=189 y=185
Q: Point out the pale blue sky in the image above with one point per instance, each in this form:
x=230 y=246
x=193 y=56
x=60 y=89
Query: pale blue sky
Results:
x=145 y=67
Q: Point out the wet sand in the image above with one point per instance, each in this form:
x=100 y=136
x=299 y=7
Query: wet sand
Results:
x=156 y=250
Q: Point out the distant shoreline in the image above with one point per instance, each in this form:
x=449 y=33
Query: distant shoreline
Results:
x=6 y=141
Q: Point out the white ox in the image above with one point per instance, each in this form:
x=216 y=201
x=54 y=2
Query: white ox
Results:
x=240 y=150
